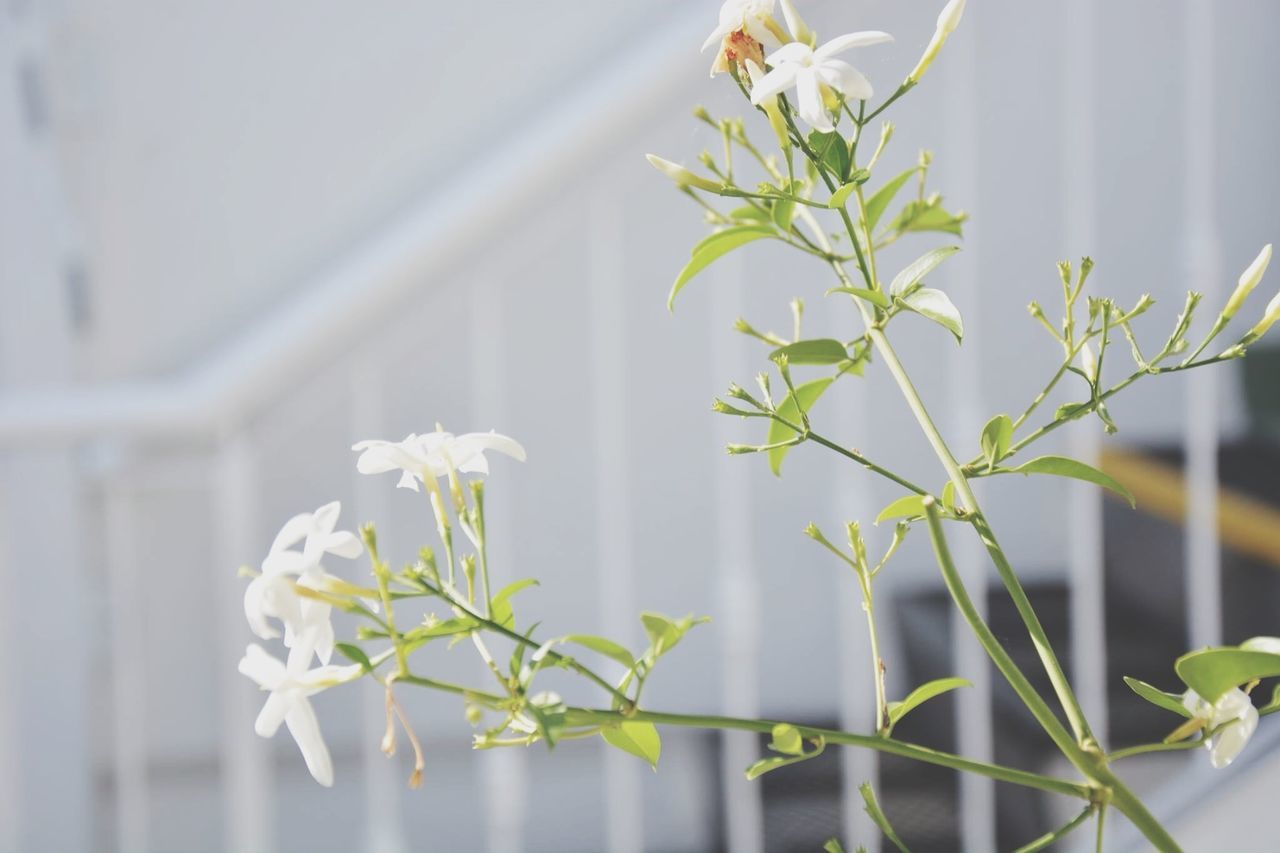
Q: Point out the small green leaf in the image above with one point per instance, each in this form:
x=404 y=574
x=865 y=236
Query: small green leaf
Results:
x=873 y=296
x=500 y=611
x=355 y=654
x=1062 y=466
x=664 y=632
x=927 y=216
x=787 y=740
x=1212 y=672
x=910 y=506
x=713 y=247
x=641 y=739
x=935 y=305
x=783 y=210
x=807 y=394
x=749 y=212
x=604 y=646
x=766 y=765
x=949 y=496
x=1274 y=705
x=1069 y=411
x=915 y=271
x=878 y=817
x=833 y=151
x=1168 y=701
x=817 y=351
x=417 y=637
x=883 y=197
x=832 y=845
x=548 y=712
x=996 y=437
x=840 y=196
x=922 y=694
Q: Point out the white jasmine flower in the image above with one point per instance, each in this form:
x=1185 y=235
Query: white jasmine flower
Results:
x=818 y=76
x=433 y=454
x=948 y=20
x=271 y=595
x=290 y=685
x=1233 y=710
x=751 y=17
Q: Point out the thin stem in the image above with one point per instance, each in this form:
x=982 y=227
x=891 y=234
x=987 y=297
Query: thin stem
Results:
x=1143 y=749
x=585 y=716
x=902 y=90
x=882 y=699
x=1058 y=834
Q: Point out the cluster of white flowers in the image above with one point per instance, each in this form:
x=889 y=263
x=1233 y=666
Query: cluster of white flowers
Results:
x=294 y=588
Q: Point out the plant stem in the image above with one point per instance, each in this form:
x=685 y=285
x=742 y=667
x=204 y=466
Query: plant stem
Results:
x=1056 y=835
x=1142 y=749
x=585 y=716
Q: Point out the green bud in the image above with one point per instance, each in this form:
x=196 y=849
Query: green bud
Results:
x=740 y=449
x=1248 y=281
x=369 y=535
x=700 y=112
x=948 y=20
x=682 y=176
x=707 y=160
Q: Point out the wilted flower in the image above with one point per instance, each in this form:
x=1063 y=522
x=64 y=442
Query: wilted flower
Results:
x=1235 y=712
x=818 y=76
x=290 y=685
x=948 y=20
x=434 y=454
x=754 y=18
x=739 y=49
x=272 y=594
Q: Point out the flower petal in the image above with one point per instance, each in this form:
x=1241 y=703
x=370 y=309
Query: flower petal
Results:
x=305 y=728
x=255 y=609
x=407 y=481
x=793 y=53
x=272 y=715
x=846 y=79
x=811 y=108
x=842 y=43
x=717 y=35
x=343 y=543
x=1226 y=745
x=778 y=80
x=264 y=669
x=293 y=532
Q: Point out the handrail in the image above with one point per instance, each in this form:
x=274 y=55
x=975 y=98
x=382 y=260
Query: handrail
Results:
x=232 y=383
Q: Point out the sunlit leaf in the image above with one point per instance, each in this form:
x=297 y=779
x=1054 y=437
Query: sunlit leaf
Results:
x=639 y=738
x=816 y=351
x=1212 y=672
x=1168 y=701
x=996 y=437
x=807 y=394
x=875 y=297
x=713 y=247
x=910 y=506
x=604 y=646
x=922 y=694
x=787 y=740
x=878 y=817
x=883 y=197
x=1062 y=466
x=915 y=271
x=937 y=306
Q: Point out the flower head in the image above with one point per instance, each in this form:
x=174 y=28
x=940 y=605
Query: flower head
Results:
x=754 y=18
x=818 y=77
x=273 y=595
x=290 y=685
x=1237 y=716
x=948 y=20
x=433 y=454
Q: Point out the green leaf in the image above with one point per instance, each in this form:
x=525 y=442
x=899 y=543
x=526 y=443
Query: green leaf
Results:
x=638 y=738
x=949 y=496
x=1212 y=672
x=783 y=210
x=915 y=271
x=840 y=196
x=787 y=740
x=1274 y=705
x=355 y=654
x=873 y=296
x=877 y=815
x=500 y=611
x=922 y=694
x=996 y=438
x=713 y=247
x=817 y=351
x=748 y=212
x=878 y=203
x=1069 y=411
x=604 y=646
x=833 y=151
x=1061 y=466
x=664 y=632
x=766 y=765
x=417 y=637
x=910 y=506
x=1168 y=701
x=935 y=305
x=832 y=845
x=927 y=216
x=807 y=394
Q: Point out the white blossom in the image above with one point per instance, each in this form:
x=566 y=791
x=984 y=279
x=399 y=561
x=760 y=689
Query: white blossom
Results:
x=948 y=20
x=433 y=454
x=818 y=76
x=271 y=595
x=1233 y=711
x=752 y=17
x=1248 y=281
x=290 y=685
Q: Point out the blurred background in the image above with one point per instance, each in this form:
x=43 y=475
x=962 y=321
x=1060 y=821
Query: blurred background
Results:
x=237 y=236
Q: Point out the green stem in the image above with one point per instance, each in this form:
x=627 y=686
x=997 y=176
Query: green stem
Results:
x=584 y=716
x=1145 y=748
x=1058 y=834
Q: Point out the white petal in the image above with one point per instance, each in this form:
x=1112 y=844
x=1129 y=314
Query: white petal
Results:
x=325 y=519
x=840 y=44
x=1226 y=745
x=305 y=729
x=475 y=464
x=846 y=79
x=717 y=35
x=284 y=563
x=264 y=669
x=778 y=80
x=493 y=441
x=1270 y=645
x=811 y=108
x=293 y=532
x=343 y=543
x=793 y=53
x=407 y=481
x=255 y=609
x=1230 y=706
x=272 y=715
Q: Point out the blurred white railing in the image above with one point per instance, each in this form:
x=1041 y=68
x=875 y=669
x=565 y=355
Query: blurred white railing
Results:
x=218 y=403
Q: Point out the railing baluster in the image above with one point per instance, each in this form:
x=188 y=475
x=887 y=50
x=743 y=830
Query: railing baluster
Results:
x=245 y=758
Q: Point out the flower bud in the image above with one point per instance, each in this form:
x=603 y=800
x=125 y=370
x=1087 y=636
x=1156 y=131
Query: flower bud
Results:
x=682 y=176
x=1248 y=281
x=1269 y=319
x=948 y=20
x=1089 y=362
x=799 y=30
x=770 y=107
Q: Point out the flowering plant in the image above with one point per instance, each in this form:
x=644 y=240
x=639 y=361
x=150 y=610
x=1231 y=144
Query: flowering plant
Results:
x=817 y=107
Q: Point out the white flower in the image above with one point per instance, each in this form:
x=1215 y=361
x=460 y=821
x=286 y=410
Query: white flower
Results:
x=272 y=595
x=752 y=17
x=1248 y=281
x=1235 y=712
x=948 y=20
x=290 y=685
x=433 y=454
x=817 y=76
x=770 y=106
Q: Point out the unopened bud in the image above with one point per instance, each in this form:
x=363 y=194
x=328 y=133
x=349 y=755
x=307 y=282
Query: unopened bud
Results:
x=682 y=176
x=1248 y=281
x=700 y=113
x=799 y=30
x=1089 y=362
x=1035 y=310
x=948 y=20
x=739 y=449
x=1269 y=319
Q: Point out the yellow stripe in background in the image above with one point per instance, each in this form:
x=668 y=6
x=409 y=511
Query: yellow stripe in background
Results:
x=1246 y=525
